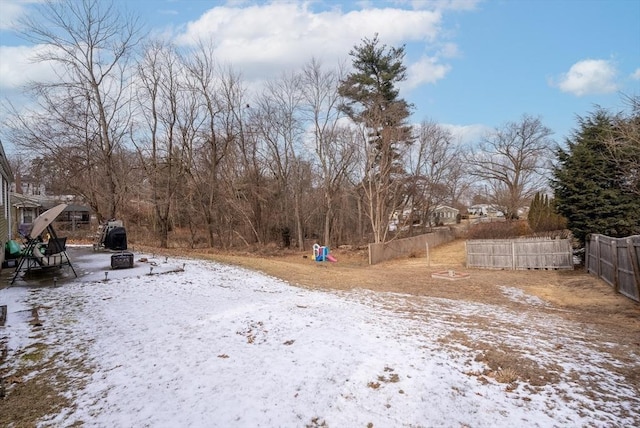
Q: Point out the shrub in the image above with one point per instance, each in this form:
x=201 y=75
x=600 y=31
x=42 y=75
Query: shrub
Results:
x=499 y=230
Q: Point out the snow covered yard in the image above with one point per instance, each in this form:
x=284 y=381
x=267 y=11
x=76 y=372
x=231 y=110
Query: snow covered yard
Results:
x=220 y=346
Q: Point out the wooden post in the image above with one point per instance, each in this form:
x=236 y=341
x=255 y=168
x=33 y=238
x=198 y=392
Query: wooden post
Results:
x=428 y=259
x=635 y=263
x=598 y=256
x=587 y=253
x=614 y=262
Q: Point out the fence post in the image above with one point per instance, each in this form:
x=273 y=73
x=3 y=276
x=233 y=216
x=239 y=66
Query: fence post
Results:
x=635 y=263
x=587 y=253
x=614 y=262
x=513 y=255
x=598 y=273
x=428 y=259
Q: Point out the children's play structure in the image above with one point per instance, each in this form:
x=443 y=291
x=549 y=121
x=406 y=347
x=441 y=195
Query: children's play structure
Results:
x=321 y=254
x=43 y=249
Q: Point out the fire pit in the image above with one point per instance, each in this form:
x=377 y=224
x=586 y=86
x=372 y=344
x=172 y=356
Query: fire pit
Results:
x=450 y=275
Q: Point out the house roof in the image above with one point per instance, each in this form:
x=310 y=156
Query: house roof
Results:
x=21 y=201
x=5 y=168
x=446 y=208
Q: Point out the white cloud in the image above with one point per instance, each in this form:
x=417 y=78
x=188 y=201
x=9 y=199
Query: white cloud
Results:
x=426 y=70
x=18 y=68
x=449 y=50
x=467 y=134
x=590 y=76
x=262 y=40
x=12 y=11
x=441 y=4
x=636 y=74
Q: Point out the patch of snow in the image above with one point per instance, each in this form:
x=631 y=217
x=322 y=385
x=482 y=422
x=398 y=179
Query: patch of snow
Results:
x=219 y=346
x=517 y=295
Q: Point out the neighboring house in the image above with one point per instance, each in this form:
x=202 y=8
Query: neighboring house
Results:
x=444 y=214
x=440 y=215
x=6 y=178
x=29 y=199
x=26 y=208
x=74 y=217
x=484 y=210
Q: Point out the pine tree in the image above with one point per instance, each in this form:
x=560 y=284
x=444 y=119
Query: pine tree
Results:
x=543 y=216
x=535 y=212
x=590 y=190
x=371 y=100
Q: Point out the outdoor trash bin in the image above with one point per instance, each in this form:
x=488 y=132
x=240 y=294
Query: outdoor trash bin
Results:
x=122 y=260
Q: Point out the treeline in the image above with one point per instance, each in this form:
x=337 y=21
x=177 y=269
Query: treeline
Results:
x=167 y=139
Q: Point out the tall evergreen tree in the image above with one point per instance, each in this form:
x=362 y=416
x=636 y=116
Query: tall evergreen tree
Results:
x=535 y=212
x=590 y=190
x=371 y=100
x=543 y=216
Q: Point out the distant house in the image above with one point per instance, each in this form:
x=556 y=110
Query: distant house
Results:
x=439 y=215
x=443 y=214
x=484 y=210
x=75 y=216
x=26 y=208
x=6 y=177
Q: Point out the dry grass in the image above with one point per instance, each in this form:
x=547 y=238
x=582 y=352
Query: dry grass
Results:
x=581 y=298
x=573 y=295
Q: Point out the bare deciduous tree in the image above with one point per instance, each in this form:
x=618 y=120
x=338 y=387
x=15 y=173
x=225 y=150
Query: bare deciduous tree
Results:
x=84 y=113
x=168 y=110
x=334 y=144
x=624 y=145
x=219 y=93
x=280 y=128
x=433 y=164
x=512 y=162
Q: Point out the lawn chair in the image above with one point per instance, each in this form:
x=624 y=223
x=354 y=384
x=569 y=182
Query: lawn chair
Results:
x=39 y=255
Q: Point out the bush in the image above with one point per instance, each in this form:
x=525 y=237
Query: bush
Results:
x=500 y=230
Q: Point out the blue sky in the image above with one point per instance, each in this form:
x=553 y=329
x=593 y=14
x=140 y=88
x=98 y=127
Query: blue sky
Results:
x=473 y=65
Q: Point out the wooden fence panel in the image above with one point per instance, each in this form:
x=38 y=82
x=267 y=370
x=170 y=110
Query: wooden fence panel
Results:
x=401 y=247
x=520 y=254
x=489 y=253
x=616 y=261
x=543 y=254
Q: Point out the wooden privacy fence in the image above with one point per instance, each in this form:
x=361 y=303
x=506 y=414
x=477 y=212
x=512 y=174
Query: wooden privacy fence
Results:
x=616 y=261
x=400 y=247
x=520 y=254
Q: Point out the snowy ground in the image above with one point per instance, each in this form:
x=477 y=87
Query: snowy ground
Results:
x=219 y=346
